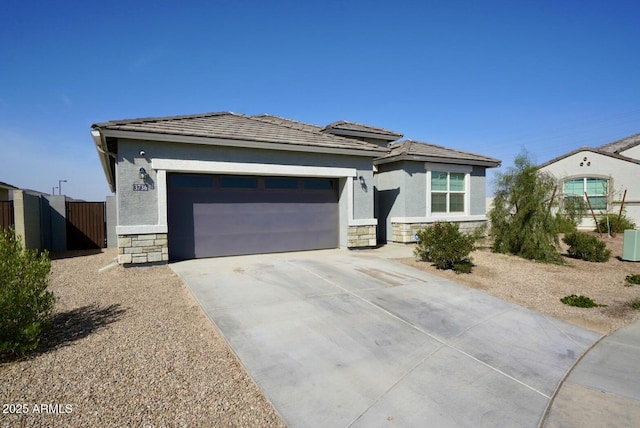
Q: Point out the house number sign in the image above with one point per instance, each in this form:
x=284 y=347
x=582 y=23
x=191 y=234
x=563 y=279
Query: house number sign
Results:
x=137 y=187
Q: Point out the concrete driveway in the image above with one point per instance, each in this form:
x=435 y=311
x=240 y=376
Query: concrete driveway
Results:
x=337 y=338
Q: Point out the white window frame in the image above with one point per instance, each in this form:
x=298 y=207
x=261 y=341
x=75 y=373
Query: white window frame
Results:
x=466 y=169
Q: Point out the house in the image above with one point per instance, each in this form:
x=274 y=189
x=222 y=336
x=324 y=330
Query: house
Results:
x=604 y=174
x=419 y=183
x=221 y=184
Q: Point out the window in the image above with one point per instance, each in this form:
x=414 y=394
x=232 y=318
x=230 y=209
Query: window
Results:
x=448 y=192
x=190 y=180
x=595 y=188
x=318 y=184
x=238 y=182
x=281 y=183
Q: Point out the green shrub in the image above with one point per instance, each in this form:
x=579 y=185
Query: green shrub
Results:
x=633 y=279
x=25 y=303
x=609 y=223
x=565 y=224
x=587 y=247
x=446 y=247
x=522 y=219
x=579 y=301
x=635 y=304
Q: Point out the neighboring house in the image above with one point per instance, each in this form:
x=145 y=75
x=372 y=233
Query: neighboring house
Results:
x=222 y=184
x=603 y=173
x=6 y=205
x=5 y=190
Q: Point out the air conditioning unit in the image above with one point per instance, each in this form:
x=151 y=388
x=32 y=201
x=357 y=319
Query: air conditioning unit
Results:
x=631 y=246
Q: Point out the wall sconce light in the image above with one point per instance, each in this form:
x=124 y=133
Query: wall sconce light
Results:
x=143 y=173
x=361 y=178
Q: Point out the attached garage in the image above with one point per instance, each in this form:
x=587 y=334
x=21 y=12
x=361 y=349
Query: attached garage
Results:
x=224 y=215
x=223 y=184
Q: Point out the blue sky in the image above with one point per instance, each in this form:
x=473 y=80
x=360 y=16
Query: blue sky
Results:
x=491 y=77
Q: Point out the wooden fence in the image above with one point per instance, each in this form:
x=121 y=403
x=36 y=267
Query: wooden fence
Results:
x=86 y=225
x=6 y=214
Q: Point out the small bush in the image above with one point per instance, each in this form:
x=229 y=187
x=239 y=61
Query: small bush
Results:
x=446 y=247
x=633 y=279
x=25 y=303
x=609 y=223
x=587 y=247
x=565 y=224
x=579 y=301
x=635 y=304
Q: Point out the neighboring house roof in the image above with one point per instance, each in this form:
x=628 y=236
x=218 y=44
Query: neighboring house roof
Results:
x=425 y=152
x=343 y=127
x=7 y=186
x=621 y=145
x=611 y=150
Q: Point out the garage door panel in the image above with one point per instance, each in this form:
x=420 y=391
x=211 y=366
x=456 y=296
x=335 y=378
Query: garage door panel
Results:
x=209 y=221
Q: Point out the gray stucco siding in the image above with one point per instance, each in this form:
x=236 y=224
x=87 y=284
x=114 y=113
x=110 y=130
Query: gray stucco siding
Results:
x=478 y=191
x=141 y=207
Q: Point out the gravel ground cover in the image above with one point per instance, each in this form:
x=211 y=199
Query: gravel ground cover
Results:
x=129 y=347
x=132 y=347
x=540 y=286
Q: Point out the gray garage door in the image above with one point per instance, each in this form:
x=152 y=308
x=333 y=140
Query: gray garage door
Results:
x=218 y=215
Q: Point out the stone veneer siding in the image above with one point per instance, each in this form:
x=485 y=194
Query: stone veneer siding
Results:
x=147 y=248
x=404 y=232
x=361 y=236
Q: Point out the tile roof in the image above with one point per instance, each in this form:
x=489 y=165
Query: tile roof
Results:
x=589 y=149
x=288 y=122
x=611 y=149
x=344 y=125
x=417 y=150
x=621 y=145
x=233 y=126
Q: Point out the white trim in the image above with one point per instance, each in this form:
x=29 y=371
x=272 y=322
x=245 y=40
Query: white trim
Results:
x=214 y=167
x=349 y=198
x=432 y=219
x=267 y=145
x=141 y=229
x=447 y=167
x=467 y=189
x=161 y=186
x=250 y=168
x=363 y=222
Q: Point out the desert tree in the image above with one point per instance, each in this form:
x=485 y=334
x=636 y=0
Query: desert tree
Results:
x=523 y=222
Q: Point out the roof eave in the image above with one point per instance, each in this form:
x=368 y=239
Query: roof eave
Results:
x=105 y=158
x=362 y=134
x=592 y=150
x=191 y=139
x=418 y=158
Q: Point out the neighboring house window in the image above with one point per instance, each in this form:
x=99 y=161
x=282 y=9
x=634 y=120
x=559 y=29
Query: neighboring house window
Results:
x=448 y=192
x=595 y=188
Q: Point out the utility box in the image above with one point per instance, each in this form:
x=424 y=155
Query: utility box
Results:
x=631 y=246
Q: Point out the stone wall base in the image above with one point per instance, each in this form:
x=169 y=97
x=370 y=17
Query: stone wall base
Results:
x=146 y=248
x=361 y=236
x=405 y=232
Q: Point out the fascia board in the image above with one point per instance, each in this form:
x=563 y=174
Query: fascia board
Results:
x=353 y=133
x=433 y=159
